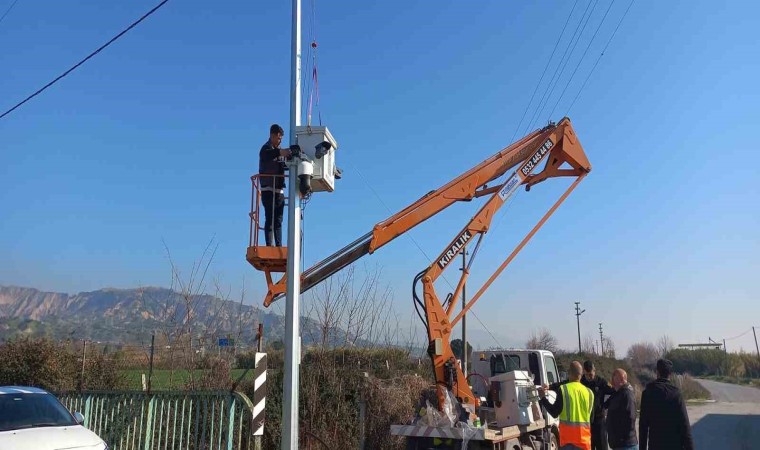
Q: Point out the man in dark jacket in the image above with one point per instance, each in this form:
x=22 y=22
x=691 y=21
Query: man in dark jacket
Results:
x=664 y=423
x=621 y=414
x=273 y=186
x=600 y=388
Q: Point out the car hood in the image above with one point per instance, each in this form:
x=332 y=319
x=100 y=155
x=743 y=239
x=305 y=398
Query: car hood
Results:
x=51 y=438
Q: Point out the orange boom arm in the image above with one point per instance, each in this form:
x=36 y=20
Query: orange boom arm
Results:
x=555 y=146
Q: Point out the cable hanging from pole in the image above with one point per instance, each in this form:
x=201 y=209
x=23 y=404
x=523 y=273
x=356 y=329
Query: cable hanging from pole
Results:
x=313 y=86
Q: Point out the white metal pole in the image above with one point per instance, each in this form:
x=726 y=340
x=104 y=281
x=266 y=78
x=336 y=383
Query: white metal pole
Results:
x=292 y=314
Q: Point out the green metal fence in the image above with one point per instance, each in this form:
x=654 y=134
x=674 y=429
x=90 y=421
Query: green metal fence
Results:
x=136 y=420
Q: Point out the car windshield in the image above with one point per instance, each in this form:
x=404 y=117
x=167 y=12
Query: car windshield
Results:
x=20 y=410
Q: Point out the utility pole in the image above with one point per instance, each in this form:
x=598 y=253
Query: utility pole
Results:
x=464 y=316
x=259 y=337
x=725 y=350
x=84 y=358
x=601 y=339
x=756 y=347
x=578 y=313
x=292 y=314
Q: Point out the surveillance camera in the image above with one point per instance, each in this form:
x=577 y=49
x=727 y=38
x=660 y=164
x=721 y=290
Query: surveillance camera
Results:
x=305 y=172
x=322 y=148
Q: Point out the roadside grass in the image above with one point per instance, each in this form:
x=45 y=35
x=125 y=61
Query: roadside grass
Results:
x=744 y=381
x=164 y=379
x=690 y=388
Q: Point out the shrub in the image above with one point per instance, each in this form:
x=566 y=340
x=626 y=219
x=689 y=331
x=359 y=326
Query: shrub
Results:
x=690 y=388
x=53 y=366
x=332 y=385
x=37 y=362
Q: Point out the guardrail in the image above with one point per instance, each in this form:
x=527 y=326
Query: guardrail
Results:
x=136 y=420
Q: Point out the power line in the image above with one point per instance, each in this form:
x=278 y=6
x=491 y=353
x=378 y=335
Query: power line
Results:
x=39 y=91
x=737 y=337
x=582 y=58
x=562 y=63
x=600 y=57
x=548 y=63
x=8 y=10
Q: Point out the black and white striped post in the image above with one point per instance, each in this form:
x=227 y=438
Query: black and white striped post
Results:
x=259 y=393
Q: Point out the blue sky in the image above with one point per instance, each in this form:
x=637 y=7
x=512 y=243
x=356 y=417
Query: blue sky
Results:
x=155 y=138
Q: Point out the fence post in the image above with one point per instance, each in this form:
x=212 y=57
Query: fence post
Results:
x=149 y=424
x=362 y=412
x=84 y=357
x=150 y=368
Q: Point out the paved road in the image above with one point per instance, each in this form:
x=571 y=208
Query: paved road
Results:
x=724 y=392
x=732 y=422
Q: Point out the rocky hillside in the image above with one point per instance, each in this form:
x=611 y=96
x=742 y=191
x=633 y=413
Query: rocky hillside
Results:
x=129 y=315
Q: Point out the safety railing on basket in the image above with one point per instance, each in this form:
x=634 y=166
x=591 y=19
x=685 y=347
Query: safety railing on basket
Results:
x=269 y=183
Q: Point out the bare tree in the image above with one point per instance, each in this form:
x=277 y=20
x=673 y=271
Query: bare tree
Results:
x=353 y=310
x=609 y=348
x=542 y=339
x=190 y=289
x=642 y=355
x=664 y=345
x=589 y=344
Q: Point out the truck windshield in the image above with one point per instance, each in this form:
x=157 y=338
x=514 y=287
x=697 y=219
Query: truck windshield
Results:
x=19 y=411
x=501 y=363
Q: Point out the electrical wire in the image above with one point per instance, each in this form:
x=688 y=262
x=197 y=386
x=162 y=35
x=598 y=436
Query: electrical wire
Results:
x=741 y=335
x=113 y=39
x=8 y=10
x=559 y=70
x=581 y=59
x=600 y=57
x=548 y=63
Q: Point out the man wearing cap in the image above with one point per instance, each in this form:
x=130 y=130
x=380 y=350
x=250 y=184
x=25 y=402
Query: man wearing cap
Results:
x=575 y=408
x=601 y=388
x=272 y=182
x=663 y=422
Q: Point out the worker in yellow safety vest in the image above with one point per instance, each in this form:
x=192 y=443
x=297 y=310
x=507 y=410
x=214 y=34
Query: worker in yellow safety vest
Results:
x=574 y=406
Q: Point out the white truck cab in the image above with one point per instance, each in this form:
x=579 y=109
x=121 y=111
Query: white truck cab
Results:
x=540 y=365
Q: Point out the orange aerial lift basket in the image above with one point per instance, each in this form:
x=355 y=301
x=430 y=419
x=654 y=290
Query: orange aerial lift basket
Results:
x=265 y=258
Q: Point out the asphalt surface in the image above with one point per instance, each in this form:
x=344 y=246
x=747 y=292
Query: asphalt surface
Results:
x=731 y=422
x=734 y=393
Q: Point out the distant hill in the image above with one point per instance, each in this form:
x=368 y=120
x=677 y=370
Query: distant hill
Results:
x=130 y=315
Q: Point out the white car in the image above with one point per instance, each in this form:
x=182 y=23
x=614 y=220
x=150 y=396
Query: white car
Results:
x=33 y=419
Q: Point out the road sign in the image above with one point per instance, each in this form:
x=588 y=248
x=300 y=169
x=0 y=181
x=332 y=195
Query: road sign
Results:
x=226 y=342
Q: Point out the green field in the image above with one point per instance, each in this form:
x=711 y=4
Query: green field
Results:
x=164 y=379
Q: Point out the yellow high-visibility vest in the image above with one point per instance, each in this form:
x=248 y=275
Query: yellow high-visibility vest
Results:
x=575 y=418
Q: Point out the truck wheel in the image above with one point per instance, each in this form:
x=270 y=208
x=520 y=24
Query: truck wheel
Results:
x=553 y=442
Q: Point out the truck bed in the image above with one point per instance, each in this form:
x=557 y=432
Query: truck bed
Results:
x=481 y=434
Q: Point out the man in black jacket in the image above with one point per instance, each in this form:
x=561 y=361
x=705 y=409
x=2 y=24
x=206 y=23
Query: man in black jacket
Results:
x=600 y=388
x=664 y=423
x=273 y=186
x=621 y=414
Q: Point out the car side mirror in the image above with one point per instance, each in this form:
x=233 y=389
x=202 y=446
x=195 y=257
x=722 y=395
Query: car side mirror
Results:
x=563 y=376
x=79 y=418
